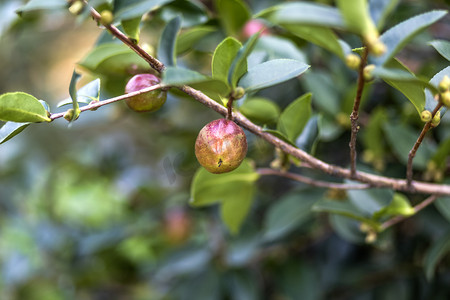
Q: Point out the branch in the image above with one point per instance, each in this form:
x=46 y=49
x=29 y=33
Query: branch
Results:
x=373 y=180
x=354 y=116
x=96 y=104
x=412 y=152
x=417 y=208
x=312 y=182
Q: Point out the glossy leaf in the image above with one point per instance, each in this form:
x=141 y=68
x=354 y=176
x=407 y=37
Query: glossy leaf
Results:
x=239 y=65
x=399 y=206
x=437 y=251
x=260 y=110
x=271 y=73
x=357 y=17
x=430 y=102
x=233 y=15
x=86 y=94
x=207 y=189
x=288 y=213
x=223 y=58
x=126 y=10
x=42 y=4
x=295 y=116
x=166 y=47
x=398 y=36
x=193 y=13
x=187 y=39
x=380 y=10
x=443 y=47
x=308 y=139
x=10 y=130
x=22 y=107
x=277 y=47
x=132 y=29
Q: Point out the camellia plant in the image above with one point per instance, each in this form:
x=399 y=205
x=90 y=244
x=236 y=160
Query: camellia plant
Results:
x=325 y=87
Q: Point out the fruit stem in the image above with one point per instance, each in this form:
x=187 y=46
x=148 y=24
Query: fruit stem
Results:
x=230 y=108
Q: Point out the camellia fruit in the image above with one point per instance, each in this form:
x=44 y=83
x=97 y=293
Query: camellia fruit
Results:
x=221 y=146
x=149 y=101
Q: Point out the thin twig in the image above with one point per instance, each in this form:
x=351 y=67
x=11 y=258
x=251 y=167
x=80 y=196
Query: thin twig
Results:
x=312 y=182
x=373 y=180
x=417 y=208
x=96 y=104
x=354 y=115
x=412 y=152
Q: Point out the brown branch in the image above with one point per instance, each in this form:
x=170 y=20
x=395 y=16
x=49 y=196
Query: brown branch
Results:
x=312 y=182
x=417 y=208
x=373 y=180
x=412 y=152
x=96 y=104
x=354 y=115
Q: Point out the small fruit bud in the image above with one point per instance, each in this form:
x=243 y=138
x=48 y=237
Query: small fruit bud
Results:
x=238 y=93
x=367 y=72
x=69 y=114
x=371 y=237
x=221 y=146
x=76 y=7
x=436 y=119
x=426 y=116
x=378 y=48
x=106 y=17
x=444 y=85
x=148 y=102
x=352 y=61
x=445 y=98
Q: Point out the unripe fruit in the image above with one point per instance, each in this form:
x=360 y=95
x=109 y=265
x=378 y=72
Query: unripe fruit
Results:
x=221 y=146
x=352 y=61
x=149 y=101
x=76 y=8
x=367 y=72
x=378 y=48
x=445 y=98
x=426 y=116
x=238 y=93
x=436 y=119
x=444 y=85
x=106 y=17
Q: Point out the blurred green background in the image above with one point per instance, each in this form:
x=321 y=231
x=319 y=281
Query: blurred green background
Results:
x=100 y=210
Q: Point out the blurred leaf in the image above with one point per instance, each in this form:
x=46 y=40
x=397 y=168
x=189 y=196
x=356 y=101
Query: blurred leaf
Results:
x=373 y=135
x=295 y=116
x=288 y=213
x=430 y=102
x=401 y=139
x=166 y=48
x=126 y=9
x=398 y=36
x=193 y=13
x=308 y=139
x=303 y=13
x=233 y=14
x=10 y=130
x=345 y=209
x=234 y=190
x=73 y=95
x=278 y=47
x=184 y=261
x=347 y=228
x=131 y=27
x=370 y=201
x=260 y=110
x=326 y=94
x=21 y=107
x=443 y=47
x=399 y=206
x=441 y=154
x=187 y=39
x=357 y=17
x=436 y=252
x=86 y=94
x=443 y=206
x=271 y=73
x=380 y=9
x=239 y=65
x=42 y=4
x=244 y=286
x=223 y=58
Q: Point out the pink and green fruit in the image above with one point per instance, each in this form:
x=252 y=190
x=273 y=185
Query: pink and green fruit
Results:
x=146 y=102
x=221 y=146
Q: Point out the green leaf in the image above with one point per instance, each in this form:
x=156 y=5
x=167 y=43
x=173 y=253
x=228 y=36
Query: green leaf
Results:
x=132 y=29
x=370 y=201
x=443 y=47
x=347 y=228
x=279 y=135
x=126 y=9
x=345 y=209
x=380 y=9
x=260 y=110
x=187 y=39
x=288 y=213
x=278 y=47
x=193 y=13
x=10 y=130
x=271 y=73
x=399 y=206
x=223 y=58
x=441 y=154
x=398 y=36
x=436 y=252
x=21 y=107
x=86 y=94
x=323 y=87
x=430 y=102
x=442 y=204
x=322 y=37
x=308 y=139
x=234 y=190
x=373 y=136
x=233 y=15
x=166 y=48
x=302 y=13
x=180 y=76
x=239 y=65
x=73 y=95
x=357 y=18
x=42 y=4
x=295 y=116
